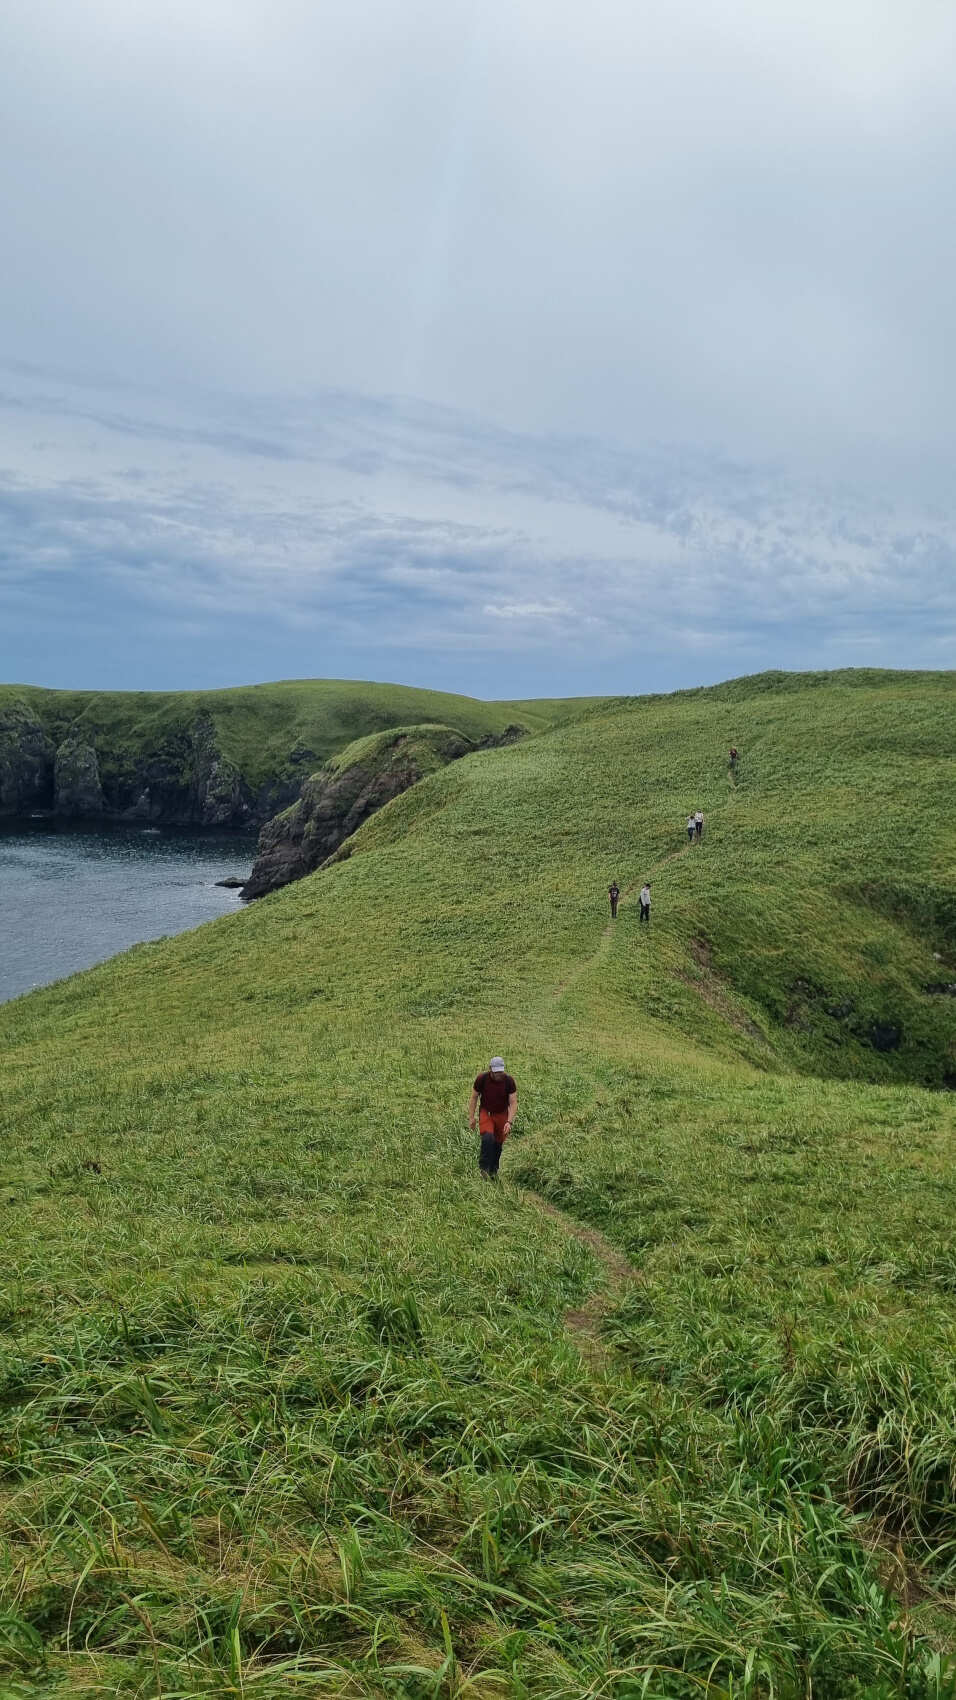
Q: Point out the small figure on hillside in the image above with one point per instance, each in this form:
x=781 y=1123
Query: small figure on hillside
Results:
x=699 y=824
x=733 y=758
x=646 y=902
x=495 y=1097
x=691 y=828
x=614 y=893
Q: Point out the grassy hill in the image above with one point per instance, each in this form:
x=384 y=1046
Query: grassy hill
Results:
x=259 y=724
x=265 y=738
x=292 y=1402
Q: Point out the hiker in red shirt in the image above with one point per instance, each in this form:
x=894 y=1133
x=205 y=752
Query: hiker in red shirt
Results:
x=495 y=1096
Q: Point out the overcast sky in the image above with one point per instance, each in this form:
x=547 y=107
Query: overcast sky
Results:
x=503 y=346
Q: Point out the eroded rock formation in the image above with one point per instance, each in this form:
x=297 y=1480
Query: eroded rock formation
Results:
x=77 y=790
x=336 y=800
x=184 y=780
x=26 y=761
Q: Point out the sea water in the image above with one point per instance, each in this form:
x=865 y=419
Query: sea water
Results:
x=70 y=898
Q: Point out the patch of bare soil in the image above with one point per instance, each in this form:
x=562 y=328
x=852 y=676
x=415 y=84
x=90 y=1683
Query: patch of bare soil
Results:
x=585 y=1326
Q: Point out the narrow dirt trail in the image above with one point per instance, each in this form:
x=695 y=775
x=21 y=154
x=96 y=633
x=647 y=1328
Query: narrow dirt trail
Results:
x=584 y=1324
x=607 y=935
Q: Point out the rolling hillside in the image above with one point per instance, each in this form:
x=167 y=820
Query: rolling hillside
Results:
x=291 y=1401
x=212 y=757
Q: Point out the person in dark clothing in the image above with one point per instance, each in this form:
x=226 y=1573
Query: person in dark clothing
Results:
x=733 y=757
x=495 y=1097
x=614 y=892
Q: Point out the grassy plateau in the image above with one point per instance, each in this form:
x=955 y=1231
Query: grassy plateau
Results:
x=293 y=1403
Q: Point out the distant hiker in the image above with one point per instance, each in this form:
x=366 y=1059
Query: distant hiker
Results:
x=614 y=892
x=495 y=1097
x=733 y=757
x=691 y=828
x=699 y=824
x=646 y=902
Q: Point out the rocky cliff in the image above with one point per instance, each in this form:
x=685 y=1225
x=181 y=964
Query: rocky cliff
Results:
x=26 y=761
x=186 y=781
x=76 y=780
x=336 y=800
x=181 y=779
x=223 y=758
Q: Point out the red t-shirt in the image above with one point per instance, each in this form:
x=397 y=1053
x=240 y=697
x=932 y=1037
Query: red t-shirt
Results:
x=494 y=1090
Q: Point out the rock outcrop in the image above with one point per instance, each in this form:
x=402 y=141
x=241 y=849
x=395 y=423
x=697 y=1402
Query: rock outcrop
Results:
x=187 y=781
x=336 y=800
x=184 y=780
x=222 y=759
x=218 y=793
x=26 y=761
x=77 y=791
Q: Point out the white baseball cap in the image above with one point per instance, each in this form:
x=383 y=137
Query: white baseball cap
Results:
x=497 y=1065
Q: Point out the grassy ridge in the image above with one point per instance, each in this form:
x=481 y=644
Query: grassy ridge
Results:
x=258 y=726
x=367 y=751
x=288 y=1398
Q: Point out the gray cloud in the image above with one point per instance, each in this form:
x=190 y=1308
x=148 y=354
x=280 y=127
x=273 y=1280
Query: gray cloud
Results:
x=676 y=222
x=449 y=533
x=618 y=332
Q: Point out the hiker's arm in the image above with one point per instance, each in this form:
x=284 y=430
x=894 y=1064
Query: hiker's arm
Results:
x=472 y=1107
x=512 y=1110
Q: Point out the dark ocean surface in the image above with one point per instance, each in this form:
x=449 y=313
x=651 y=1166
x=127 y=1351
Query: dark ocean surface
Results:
x=70 y=898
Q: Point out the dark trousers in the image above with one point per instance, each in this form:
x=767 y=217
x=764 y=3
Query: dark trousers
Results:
x=490 y=1156
x=646 y=913
x=613 y=908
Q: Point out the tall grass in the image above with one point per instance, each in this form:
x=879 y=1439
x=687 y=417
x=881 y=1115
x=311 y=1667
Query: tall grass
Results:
x=288 y=1402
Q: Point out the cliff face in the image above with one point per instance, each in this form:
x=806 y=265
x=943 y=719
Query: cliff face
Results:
x=336 y=800
x=76 y=780
x=26 y=761
x=235 y=757
x=185 y=780
x=223 y=758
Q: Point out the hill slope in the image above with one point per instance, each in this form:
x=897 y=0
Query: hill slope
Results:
x=288 y=1394
x=211 y=757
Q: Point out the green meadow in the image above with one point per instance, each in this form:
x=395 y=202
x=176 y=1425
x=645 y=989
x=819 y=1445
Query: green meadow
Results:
x=293 y=1403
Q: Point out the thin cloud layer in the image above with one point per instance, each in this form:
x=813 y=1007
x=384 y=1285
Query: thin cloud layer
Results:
x=450 y=549
x=670 y=286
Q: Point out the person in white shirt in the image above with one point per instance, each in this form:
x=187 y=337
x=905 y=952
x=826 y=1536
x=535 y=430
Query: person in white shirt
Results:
x=646 y=901
x=699 y=824
x=691 y=828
